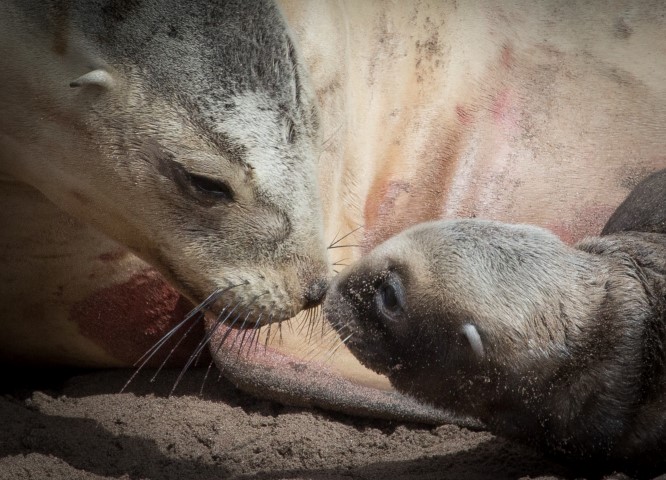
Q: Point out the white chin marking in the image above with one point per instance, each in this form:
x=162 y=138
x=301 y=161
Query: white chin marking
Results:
x=474 y=339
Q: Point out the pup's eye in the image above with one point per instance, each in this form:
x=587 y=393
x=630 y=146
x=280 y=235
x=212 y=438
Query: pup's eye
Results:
x=390 y=296
x=211 y=187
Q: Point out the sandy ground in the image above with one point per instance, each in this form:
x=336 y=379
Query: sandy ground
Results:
x=77 y=426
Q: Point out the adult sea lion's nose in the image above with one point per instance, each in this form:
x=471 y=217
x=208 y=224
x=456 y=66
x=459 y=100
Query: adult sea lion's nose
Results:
x=315 y=293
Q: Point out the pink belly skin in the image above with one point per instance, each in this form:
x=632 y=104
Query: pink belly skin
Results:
x=517 y=149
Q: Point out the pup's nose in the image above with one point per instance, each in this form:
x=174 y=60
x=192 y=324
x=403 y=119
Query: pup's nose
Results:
x=315 y=293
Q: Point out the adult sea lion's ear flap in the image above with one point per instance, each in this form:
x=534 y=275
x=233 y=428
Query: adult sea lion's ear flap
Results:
x=470 y=332
x=98 y=78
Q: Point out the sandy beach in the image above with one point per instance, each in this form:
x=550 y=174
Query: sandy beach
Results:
x=76 y=425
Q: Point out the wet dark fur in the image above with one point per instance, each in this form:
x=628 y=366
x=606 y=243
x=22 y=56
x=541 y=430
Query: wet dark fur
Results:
x=594 y=396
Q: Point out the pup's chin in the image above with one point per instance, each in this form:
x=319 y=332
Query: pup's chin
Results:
x=370 y=351
x=367 y=344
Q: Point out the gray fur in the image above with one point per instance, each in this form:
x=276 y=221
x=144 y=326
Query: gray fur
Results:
x=643 y=209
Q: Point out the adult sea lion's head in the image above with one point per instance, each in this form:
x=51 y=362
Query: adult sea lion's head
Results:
x=189 y=135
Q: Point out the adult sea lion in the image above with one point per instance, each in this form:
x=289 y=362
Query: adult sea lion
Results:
x=559 y=347
x=201 y=114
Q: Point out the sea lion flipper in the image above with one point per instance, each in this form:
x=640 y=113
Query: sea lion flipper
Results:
x=644 y=210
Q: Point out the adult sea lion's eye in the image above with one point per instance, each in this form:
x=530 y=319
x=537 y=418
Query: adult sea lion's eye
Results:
x=211 y=187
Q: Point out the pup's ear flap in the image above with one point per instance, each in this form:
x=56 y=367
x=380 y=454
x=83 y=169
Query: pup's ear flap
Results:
x=96 y=78
x=470 y=332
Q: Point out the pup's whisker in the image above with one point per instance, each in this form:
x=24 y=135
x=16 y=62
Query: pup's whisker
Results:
x=335 y=242
x=341 y=343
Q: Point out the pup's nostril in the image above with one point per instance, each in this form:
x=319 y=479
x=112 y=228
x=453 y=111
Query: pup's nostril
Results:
x=315 y=293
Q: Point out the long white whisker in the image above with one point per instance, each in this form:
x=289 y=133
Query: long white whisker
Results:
x=330 y=355
x=159 y=369
x=200 y=347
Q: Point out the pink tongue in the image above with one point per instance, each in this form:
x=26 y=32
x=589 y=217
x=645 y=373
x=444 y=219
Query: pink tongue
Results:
x=270 y=374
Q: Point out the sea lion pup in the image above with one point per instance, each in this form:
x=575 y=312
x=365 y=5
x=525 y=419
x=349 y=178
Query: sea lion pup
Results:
x=556 y=346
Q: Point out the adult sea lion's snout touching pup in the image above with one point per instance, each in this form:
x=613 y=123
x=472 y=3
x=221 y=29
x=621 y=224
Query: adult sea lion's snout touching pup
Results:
x=558 y=346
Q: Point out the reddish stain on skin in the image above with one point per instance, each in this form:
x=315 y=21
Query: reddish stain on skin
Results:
x=127 y=319
x=390 y=194
x=392 y=206
x=507 y=58
x=501 y=107
x=380 y=207
x=463 y=115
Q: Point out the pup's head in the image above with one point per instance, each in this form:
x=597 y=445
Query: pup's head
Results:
x=448 y=309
